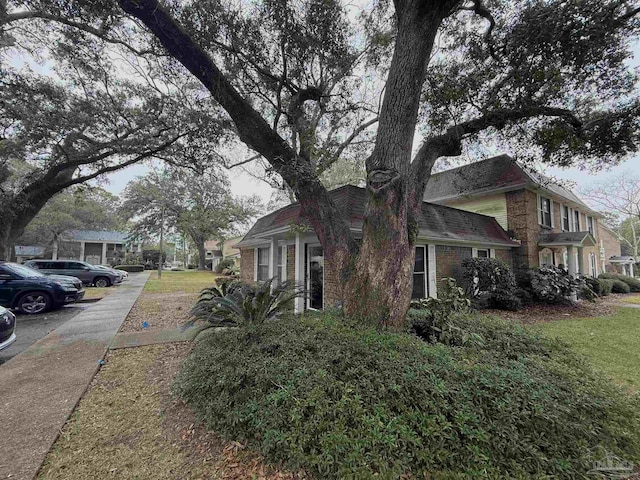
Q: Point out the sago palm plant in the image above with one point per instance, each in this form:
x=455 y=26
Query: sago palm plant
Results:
x=237 y=303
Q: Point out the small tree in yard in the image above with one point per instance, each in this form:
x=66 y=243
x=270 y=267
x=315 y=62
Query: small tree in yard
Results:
x=548 y=75
x=196 y=203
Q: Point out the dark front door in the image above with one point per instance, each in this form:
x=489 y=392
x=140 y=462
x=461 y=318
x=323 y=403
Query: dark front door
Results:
x=315 y=277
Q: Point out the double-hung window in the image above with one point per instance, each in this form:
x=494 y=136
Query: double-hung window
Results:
x=590 y=225
x=565 y=219
x=576 y=221
x=262 y=264
x=420 y=273
x=545 y=212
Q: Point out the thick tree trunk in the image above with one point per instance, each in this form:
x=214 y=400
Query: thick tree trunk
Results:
x=202 y=253
x=379 y=291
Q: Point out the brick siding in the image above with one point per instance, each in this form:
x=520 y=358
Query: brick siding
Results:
x=522 y=215
x=612 y=248
x=247 y=264
x=449 y=262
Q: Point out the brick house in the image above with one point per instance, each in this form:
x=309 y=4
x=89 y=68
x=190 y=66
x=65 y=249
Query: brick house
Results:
x=283 y=245
x=552 y=224
x=493 y=208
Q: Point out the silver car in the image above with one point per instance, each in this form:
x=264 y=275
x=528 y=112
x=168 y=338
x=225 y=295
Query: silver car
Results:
x=86 y=272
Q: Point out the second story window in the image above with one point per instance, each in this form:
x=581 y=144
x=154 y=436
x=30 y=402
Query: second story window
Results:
x=565 y=219
x=590 y=225
x=576 y=221
x=545 y=212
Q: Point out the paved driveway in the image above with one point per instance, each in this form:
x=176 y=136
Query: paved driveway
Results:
x=31 y=328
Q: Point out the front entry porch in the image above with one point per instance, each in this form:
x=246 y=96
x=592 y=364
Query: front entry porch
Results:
x=567 y=250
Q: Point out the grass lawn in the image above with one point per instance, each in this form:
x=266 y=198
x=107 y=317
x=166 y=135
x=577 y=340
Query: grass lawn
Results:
x=612 y=343
x=127 y=426
x=189 y=281
x=635 y=299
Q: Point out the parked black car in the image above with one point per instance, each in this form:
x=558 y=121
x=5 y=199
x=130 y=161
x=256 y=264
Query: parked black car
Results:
x=32 y=292
x=7 y=328
x=89 y=274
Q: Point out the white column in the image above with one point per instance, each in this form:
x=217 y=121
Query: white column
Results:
x=571 y=260
x=631 y=269
x=433 y=280
x=82 y=251
x=54 y=253
x=298 y=306
x=273 y=257
x=104 y=253
x=581 y=268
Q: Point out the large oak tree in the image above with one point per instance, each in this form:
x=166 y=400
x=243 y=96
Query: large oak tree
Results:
x=297 y=78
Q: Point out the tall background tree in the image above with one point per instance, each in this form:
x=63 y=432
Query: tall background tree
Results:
x=79 y=119
x=302 y=79
x=78 y=208
x=198 y=204
x=619 y=199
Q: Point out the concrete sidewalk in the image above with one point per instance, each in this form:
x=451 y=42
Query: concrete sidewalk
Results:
x=40 y=387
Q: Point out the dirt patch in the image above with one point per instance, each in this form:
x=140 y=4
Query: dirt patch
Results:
x=127 y=426
x=160 y=311
x=540 y=313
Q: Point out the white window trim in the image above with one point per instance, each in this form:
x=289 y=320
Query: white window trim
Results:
x=432 y=273
x=562 y=209
x=283 y=248
x=427 y=271
x=255 y=260
x=551 y=215
x=490 y=251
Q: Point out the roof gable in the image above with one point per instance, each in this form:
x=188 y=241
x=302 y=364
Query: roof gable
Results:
x=501 y=173
x=436 y=222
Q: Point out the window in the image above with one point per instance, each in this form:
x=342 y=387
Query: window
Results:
x=262 y=270
x=282 y=263
x=483 y=253
x=576 y=221
x=315 y=269
x=590 y=225
x=565 y=219
x=420 y=274
x=545 y=212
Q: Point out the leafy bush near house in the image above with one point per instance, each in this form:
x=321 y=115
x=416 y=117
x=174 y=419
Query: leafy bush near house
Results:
x=225 y=263
x=234 y=302
x=620 y=287
x=634 y=283
x=431 y=318
x=607 y=286
x=345 y=402
x=490 y=283
x=551 y=284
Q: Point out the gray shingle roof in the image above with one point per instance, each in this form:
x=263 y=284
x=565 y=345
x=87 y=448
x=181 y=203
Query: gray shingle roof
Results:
x=495 y=173
x=567 y=238
x=98 y=236
x=437 y=222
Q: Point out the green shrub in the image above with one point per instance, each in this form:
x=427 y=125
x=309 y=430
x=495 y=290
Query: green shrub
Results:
x=225 y=263
x=620 y=287
x=429 y=318
x=607 y=286
x=234 y=302
x=490 y=283
x=634 y=283
x=551 y=284
x=344 y=402
x=131 y=268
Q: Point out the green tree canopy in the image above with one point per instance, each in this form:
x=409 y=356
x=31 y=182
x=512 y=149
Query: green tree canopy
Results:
x=197 y=203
